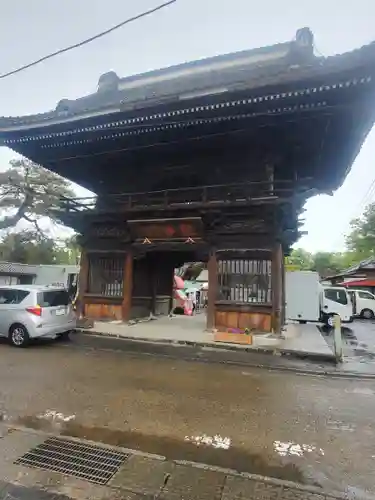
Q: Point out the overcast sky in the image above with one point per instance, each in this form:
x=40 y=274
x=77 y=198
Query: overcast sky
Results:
x=187 y=30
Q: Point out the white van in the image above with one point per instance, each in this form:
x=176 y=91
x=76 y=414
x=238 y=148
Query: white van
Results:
x=363 y=303
x=308 y=300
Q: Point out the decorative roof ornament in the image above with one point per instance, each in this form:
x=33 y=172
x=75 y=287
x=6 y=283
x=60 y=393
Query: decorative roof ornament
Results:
x=305 y=37
x=108 y=82
x=63 y=107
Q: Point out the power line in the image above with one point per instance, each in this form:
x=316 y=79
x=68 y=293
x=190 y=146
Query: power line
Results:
x=318 y=51
x=360 y=207
x=88 y=40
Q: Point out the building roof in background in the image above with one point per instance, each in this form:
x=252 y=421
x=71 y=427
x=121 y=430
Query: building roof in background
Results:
x=361 y=282
x=32 y=269
x=366 y=264
x=16 y=268
x=203 y=277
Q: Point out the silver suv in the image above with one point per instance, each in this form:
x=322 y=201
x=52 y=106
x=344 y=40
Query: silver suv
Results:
x=32 y=311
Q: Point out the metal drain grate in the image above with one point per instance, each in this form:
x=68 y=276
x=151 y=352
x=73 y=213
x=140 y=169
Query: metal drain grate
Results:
x=85 y=461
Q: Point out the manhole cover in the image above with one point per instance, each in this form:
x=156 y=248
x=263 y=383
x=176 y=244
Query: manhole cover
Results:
x=85 y=461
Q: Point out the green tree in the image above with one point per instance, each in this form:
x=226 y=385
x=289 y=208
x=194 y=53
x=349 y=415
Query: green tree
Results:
x=300 y=258
x=68 y=251
x=27 y=247
x=29 y=192
x=327 y=263
x=361 y=239
x=32 y=247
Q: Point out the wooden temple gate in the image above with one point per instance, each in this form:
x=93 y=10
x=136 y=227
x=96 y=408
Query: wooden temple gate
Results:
x=217 y=158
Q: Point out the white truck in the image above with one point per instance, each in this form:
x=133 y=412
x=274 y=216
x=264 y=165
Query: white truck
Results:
x=56 y=275
x=306 y=299
x=65 y=276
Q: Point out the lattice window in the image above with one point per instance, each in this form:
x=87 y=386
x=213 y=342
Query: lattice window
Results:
x=245 y=281
x=106 y=276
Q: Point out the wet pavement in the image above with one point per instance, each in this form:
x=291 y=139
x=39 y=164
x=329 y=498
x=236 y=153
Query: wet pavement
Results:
x=358 y=345
x=315 y=431
x=10 y=491
x=359 y=339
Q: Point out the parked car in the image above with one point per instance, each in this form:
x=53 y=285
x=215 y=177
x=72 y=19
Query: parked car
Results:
x=363 y=303
x=35 y=311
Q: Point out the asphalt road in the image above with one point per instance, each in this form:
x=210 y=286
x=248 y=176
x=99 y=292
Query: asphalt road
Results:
x=311 y=430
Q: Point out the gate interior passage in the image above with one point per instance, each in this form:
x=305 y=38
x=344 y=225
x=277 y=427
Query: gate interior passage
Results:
x=207 y=161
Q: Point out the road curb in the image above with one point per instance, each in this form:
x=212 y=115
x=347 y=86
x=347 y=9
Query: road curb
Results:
x=216 y=345
x=205 y=348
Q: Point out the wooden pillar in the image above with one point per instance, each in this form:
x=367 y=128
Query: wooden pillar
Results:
x=171 y=288
x=276 y=277
x=283 y=297
x=212 y=289
x=83 y=281
x=154 y=284
x=127 y=286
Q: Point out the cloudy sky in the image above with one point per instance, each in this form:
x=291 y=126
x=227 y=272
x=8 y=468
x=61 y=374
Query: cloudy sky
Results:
x=187 y=30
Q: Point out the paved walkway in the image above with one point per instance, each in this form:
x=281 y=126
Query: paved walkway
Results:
x=299 y=339
x=141 y=477
x=305 y=339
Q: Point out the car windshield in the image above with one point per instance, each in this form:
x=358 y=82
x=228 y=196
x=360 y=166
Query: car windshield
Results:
x=53 y=298
x=337 y=295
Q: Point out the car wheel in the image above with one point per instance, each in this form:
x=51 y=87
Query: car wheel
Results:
x=18 y=336
x=330 y=321
x=367 y=314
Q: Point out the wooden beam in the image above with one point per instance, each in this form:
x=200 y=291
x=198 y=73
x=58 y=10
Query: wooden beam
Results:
x=128 y=286
x=212 y=289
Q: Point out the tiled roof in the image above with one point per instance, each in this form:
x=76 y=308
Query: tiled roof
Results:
x=364 y=264
x=209 y=74
x=15 y=268
x=233 y=72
